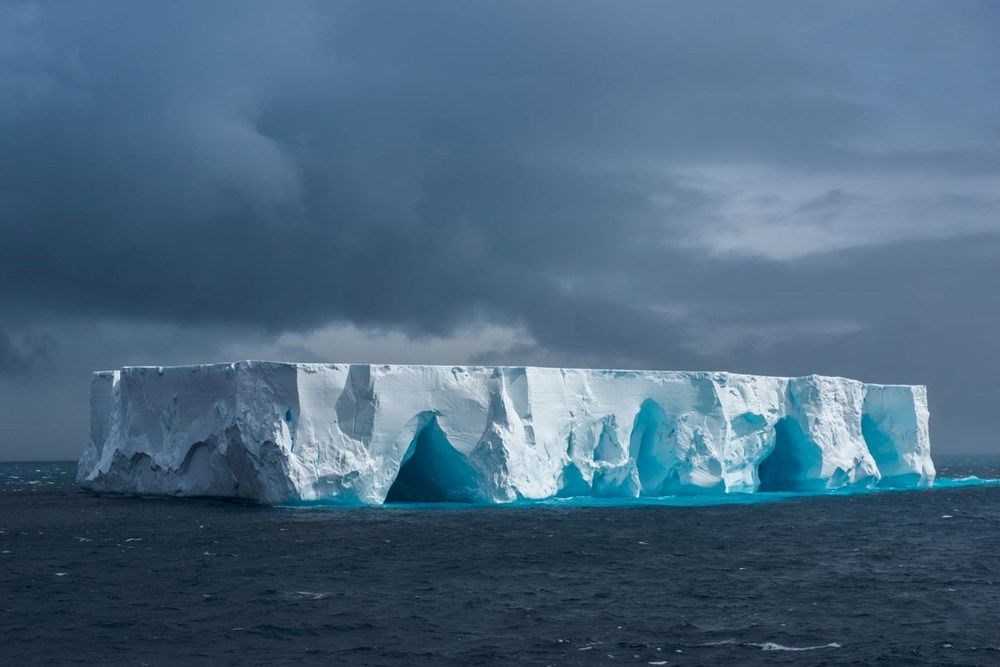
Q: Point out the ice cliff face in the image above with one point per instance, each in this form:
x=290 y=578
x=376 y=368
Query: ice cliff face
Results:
x=277 y=432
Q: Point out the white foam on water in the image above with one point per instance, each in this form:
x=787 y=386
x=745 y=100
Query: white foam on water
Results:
x=308 y=595
x=774 y=646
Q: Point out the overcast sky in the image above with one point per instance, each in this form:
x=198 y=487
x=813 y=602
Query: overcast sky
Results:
x=765 y=187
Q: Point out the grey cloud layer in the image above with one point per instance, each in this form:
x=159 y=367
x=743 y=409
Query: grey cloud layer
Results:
x=771 y=188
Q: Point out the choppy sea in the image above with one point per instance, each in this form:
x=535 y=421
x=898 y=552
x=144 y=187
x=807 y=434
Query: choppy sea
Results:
x=893 y=577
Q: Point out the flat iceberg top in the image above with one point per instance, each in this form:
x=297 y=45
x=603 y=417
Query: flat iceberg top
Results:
x=473 y=368
x=374 y=433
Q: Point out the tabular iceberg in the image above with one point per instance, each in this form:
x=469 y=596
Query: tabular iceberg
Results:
x=285 y=432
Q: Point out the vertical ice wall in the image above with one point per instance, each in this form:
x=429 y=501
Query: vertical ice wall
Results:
x=277 y=432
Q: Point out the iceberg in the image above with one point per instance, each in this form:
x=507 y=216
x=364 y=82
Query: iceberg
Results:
x=368 y=433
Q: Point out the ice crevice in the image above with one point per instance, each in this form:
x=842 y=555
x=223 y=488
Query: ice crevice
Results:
x=365 y=433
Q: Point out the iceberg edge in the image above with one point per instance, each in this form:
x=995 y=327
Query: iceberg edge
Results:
x=372 y=433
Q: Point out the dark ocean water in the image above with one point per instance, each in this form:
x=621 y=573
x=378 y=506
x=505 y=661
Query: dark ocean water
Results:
x=895 y=577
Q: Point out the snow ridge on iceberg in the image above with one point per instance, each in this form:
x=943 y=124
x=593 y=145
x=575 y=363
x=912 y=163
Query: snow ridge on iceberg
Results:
x=280 y=432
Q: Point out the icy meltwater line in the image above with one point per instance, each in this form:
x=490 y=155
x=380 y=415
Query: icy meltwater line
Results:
x=372 y=434
x=705 y=500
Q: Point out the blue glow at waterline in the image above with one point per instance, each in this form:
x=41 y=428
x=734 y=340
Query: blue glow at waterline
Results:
x=703 y=500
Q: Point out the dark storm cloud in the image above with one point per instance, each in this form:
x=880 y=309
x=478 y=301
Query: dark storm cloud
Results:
x=18 y=354
x=773 y=188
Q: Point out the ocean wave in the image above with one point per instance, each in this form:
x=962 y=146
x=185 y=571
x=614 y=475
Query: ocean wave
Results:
x=775 y=646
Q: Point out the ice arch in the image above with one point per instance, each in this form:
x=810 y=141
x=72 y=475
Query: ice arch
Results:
x=794 y=463
x=433 y=470
x=572 y=483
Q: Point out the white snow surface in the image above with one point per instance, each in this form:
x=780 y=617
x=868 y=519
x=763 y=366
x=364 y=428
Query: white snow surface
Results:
x=366 y=433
